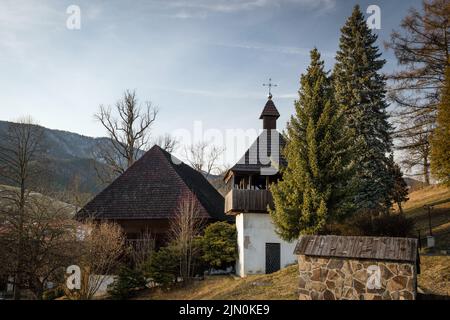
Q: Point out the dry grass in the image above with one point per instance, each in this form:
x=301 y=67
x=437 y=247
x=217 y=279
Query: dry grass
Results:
x=434 y=277
x=438 y=197
x=281 y=285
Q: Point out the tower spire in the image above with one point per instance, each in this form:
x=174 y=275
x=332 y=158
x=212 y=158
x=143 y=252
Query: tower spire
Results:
x=270 y=113
x=270 y=85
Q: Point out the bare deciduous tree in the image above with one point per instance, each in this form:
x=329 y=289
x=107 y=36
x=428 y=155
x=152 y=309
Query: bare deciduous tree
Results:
x=129 y=132
x=47 y=235
x=423 y=49
x=184 y=228
x=102 y=244
x=17 y=155
x=204 y=157
x=141 y=249
x=74 y=195
x=167 y=143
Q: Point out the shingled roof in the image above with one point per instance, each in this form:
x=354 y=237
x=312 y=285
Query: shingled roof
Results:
x=262 y=154
x=373 y=248
x=270 y=109
x=152 y=188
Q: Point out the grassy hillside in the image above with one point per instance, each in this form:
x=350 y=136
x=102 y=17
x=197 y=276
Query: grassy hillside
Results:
x=281 y=285
x=439 y=198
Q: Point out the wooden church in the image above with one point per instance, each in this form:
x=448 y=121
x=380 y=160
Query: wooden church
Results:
x=147 y=196
x=260 y=249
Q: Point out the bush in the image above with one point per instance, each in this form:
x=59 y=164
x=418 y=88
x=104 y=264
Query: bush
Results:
x=52 y=294
x=388 y=225
x=163 y=266
x=219 y=245
x=127 y=280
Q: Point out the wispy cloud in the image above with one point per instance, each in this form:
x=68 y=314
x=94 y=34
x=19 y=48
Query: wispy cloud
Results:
x=279 y=49
x=240 y=5
x=185 y=9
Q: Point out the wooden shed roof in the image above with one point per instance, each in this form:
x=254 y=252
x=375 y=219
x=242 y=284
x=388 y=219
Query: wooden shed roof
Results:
x=373 y=248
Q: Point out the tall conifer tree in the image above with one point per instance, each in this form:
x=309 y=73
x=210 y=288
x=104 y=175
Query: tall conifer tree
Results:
x=360 y=92
x=314 y=188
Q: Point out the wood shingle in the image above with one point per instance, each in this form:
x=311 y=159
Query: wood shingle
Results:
x=373 y=248
x=152 y=188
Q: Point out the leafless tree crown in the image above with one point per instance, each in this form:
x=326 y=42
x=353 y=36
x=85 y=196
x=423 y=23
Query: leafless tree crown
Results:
x=423 y=50
x=128 y=129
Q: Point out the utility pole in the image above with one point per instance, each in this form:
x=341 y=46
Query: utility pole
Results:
x=429 y=208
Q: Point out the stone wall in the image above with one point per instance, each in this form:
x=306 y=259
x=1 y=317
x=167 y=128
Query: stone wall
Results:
x=347 y=279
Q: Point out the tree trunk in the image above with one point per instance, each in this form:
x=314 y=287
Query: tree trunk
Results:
x=426 y=170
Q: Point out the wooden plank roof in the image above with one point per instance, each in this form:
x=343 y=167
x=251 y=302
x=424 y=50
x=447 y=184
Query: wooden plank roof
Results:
x=152 y=188
x=373 y=248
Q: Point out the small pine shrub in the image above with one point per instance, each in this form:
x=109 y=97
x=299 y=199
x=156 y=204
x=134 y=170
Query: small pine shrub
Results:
x=127 y=280
x=219 y=245
x=163 y=266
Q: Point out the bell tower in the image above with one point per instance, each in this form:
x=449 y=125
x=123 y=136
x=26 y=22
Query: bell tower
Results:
x=269 y=115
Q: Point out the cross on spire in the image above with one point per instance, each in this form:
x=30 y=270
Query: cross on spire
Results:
x=270 y=85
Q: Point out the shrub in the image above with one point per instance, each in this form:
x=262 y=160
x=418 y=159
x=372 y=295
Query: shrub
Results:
x=127 y=280
x=388 y=225
x=219 y=245
x=52 y=294
x=163 y=266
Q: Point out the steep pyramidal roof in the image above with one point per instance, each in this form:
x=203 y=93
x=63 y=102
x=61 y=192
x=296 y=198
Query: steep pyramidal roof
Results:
x=265 y=152
x=152 y=188
x=270 y=110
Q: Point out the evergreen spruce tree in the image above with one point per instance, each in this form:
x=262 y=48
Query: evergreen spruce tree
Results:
x=440 y=143
x=314 y=188
x=360 y=92
x=399 y=192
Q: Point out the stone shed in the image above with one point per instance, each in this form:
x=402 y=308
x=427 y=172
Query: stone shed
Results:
x=357 y=268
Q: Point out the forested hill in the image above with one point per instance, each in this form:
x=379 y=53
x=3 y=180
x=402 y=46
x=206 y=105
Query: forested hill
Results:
x=65 y=156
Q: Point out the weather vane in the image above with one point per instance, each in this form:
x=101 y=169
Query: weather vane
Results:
x=270 y=85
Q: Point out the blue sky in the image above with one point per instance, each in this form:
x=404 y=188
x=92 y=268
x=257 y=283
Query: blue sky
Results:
x=197 y=60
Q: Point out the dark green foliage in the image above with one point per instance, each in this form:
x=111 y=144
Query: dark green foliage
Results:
x=360 y=92
x=387 y=225
x=314 y=189
x=163 y=266
x=399 y=192
x=219 y=245
x=127 y=280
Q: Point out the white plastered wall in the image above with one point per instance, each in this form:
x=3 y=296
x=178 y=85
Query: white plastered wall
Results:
x=254 y=231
